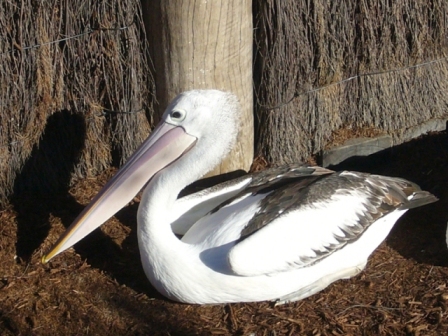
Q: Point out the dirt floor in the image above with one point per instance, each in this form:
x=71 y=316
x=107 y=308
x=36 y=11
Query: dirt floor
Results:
x=98 y=288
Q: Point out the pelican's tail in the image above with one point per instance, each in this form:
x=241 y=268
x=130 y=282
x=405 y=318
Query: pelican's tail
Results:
x=419 y=198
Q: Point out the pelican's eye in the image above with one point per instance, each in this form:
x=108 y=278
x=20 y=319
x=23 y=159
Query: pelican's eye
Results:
x=178 y=115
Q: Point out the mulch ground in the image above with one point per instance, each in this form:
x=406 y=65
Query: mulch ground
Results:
x=99 y=288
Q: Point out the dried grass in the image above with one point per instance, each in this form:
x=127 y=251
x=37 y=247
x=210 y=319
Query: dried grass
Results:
x=300 y=46
x=304 y=45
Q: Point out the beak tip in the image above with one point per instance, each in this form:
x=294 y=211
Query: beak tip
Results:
x=45 y=259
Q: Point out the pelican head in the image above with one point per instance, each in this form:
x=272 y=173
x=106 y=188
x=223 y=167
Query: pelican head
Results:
x=198 y=119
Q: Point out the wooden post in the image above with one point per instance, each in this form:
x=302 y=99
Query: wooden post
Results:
x=200 y=44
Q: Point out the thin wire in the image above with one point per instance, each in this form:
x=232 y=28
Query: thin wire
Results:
x=298 y=94
x=88 y=31
x=107 y=111
x=34 y=46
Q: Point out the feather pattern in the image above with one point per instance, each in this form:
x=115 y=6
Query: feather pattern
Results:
x=290 y=214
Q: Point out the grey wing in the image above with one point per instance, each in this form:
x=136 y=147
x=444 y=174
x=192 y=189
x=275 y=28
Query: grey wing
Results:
x=189 y=209
x=320 y=219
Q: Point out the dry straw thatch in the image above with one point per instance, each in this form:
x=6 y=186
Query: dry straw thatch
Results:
x=57 y=98
x=302 y=45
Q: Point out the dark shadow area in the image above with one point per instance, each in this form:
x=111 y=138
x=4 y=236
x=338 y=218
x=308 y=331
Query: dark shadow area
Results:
x=420 y=233
x=42 y=185
x=41 y=190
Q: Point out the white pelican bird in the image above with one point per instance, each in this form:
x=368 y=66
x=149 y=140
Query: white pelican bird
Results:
x=281 y=235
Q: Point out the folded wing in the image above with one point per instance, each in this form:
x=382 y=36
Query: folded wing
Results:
x=318 y=220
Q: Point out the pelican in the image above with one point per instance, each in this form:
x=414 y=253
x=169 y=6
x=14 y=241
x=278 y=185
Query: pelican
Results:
x=280 y=235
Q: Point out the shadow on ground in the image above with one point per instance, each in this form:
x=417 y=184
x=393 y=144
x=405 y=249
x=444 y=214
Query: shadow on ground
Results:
x=45 y=177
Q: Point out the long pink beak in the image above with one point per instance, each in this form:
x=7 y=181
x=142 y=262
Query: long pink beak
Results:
x=165 y=145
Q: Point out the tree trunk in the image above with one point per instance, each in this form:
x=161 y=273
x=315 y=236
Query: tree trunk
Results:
x=204 y=45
